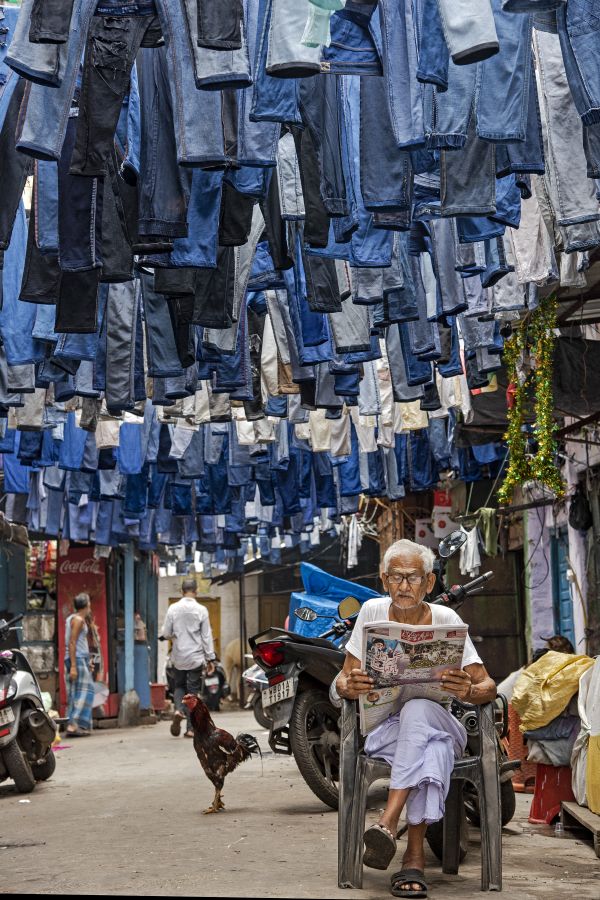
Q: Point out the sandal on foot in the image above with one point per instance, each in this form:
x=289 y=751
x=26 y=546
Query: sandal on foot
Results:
x=380 y=847
x=409 y=877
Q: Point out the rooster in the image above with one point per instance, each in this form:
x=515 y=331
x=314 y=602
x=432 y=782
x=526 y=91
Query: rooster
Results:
x=218 y=751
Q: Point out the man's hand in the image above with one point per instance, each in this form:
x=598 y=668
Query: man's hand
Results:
x=357 y=682
x=210 y=667
x=73 y=673
x=457 y=682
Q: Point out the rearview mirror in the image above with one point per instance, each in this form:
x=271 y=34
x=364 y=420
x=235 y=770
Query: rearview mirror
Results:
x=306 y=614
x=452 y=543
x=348 y=608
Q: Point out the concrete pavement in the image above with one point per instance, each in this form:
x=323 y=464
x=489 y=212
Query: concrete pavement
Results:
x=123 y=815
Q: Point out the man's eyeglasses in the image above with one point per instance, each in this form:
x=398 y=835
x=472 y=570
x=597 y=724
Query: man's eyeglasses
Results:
x=398 y=578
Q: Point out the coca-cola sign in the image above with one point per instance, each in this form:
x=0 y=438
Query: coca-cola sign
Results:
x=89 y=566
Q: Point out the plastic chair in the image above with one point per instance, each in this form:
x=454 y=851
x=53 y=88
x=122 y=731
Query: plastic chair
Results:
x=358 y=772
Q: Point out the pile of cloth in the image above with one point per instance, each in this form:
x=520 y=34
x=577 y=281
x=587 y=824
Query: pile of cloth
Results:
x=272 y=247
x=545 y=697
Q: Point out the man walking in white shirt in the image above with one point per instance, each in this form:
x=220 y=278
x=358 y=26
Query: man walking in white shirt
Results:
x=193 y=652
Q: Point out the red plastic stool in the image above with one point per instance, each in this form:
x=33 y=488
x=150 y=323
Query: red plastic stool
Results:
x=552 y=786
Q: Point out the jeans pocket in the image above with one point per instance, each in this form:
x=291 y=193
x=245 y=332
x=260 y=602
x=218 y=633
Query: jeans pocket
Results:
x=109 y=59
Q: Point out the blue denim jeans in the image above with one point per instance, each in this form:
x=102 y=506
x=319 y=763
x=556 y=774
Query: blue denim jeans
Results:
x=195 y=146
x=17 y=318
x=469 y=30
x=200 y=246
x=214 y=69
x=444 y=249
x=43 y=64
x=433 y=49
x=477 y=228
x=454 y=364
x=46 y=194
x=355 y=47
x=257 y=139
x=527 y=155
x=448 y=114
x=273 y=99
x=503 y=90
x=82 y=346
x=579 y=32
x=400 y=62
x=385 y=170
x=45 y=110
x=287 y=57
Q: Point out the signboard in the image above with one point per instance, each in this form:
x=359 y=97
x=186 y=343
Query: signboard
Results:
x=79 y=572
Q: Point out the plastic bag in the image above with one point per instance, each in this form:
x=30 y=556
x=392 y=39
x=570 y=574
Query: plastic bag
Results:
x=544 y=688
x=580 y=747
x=580 y=513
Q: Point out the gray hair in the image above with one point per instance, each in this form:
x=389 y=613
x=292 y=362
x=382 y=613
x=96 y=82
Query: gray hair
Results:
x=81 y=601
x=403 y=547
x=188 y=585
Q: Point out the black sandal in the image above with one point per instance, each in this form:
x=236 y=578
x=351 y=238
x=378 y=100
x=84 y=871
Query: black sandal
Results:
x=380 y=847
x=409 y=876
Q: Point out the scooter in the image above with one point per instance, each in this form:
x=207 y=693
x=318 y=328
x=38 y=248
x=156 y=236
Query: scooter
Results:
x=26 y=730
x=256 y=681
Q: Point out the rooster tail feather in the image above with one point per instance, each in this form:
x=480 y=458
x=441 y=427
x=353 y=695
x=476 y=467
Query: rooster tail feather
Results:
x=249 y=743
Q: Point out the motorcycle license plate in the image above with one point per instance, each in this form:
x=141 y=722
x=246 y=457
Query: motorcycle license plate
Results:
x=278 y=692
x=6 y=716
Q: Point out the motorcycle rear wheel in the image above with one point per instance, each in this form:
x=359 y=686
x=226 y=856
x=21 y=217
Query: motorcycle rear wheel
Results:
x=45 y=770
x=18 y=767
x=260 y=715
x=315 y=741
x=508 y=803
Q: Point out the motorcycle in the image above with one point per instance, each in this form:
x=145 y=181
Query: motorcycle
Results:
x=300 y=671
x=256 y=681
x=26 y=730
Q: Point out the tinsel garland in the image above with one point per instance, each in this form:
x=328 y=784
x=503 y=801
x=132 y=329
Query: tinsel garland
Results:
x=539 y=337
x=543 y=465
x=519 y=468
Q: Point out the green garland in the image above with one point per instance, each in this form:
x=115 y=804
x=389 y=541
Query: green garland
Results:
x=519 y=468
x=540 y=339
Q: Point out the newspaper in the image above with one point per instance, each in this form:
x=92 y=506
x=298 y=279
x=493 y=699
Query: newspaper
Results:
x=406 y=662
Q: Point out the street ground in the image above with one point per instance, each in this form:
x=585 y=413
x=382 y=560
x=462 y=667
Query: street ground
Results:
x=123 y=815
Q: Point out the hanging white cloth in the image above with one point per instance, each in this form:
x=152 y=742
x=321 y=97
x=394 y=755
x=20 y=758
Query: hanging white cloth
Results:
x=470 y=558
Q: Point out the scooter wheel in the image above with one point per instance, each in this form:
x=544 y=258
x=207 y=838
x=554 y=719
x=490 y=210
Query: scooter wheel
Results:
x=46 y=769
x=18 y=767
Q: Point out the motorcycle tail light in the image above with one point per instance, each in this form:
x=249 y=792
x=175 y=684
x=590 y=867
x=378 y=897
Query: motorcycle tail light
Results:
x=270 y=654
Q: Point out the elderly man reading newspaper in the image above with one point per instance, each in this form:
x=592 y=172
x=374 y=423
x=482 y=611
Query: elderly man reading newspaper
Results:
x=422 y=739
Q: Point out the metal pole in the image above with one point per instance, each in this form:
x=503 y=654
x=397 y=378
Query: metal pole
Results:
x=242 y=601
x=129 y=612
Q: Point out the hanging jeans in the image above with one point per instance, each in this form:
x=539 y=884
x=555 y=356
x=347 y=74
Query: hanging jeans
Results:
x=400 y=62
x=121 y=327
x=469 y=29
x=14 y=169
x=45 y=111
x=579 y=32
x=163 y=185
x=195 y=146
x=41 y=63
x=113 y=42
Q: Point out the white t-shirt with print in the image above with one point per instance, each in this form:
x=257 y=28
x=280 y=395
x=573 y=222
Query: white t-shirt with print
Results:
x=377 y=609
